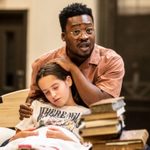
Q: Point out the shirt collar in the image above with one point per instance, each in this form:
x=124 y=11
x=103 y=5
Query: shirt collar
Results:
x=95 y=56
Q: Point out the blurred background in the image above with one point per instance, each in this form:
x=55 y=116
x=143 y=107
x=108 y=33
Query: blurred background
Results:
x=30 y=28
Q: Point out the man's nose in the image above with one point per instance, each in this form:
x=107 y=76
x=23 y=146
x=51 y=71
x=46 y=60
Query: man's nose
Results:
x=83 y=35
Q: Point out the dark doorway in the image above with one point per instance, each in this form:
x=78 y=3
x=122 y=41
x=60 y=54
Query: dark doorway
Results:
x=13 y=27
x=133 y=43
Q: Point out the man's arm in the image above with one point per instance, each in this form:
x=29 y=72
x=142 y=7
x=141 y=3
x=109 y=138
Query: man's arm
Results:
x=89 y=92
x=25 y=111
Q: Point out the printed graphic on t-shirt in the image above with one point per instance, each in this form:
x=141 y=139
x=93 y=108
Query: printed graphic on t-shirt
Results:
x=53 y=116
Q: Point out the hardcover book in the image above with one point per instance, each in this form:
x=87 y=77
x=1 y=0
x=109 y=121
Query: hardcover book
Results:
x=98 y=138
x=107 y=105
x=106 y=115
x=102 y=122
x=101 y=130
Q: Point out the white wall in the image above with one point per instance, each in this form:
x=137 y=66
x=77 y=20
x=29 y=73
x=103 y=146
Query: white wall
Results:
x=44 y=31
x=133 y=7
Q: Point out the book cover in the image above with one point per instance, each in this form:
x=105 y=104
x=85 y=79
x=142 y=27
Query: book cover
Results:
x=103 y=130
x=98 y=138
x=135 y=135
x=107 y=105
x=102 y=122
x=105 y=115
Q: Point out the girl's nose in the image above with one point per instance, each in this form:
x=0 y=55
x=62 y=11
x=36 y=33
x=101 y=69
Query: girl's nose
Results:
x=53 y=93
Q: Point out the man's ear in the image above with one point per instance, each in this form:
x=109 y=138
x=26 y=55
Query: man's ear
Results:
x=69 y=80
x=63 y=36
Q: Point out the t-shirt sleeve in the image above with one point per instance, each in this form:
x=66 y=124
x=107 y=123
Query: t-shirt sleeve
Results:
x=111 y=79
x=26 y=123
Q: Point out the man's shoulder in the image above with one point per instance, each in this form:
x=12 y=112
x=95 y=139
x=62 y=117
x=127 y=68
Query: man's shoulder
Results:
x=104 y=51
x=51 y=54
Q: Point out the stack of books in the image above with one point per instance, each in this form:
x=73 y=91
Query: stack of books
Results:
x=104 y=127
x=105 y=121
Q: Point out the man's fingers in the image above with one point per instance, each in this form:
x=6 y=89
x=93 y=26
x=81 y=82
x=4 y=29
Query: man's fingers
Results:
x=25 y=111
x=24 y=116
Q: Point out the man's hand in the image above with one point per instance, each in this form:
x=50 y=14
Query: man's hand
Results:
x=25 y=111
x=64 y=62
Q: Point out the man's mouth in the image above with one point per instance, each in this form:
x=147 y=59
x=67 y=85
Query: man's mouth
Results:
x=84 y=46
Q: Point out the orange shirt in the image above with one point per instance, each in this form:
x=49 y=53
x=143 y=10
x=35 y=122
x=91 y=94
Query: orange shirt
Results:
x=104 y=68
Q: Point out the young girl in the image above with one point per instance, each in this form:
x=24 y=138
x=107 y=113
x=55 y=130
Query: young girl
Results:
x=56 y=115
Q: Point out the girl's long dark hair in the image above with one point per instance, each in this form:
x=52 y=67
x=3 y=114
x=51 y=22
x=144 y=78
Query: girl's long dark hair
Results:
x=52 y=69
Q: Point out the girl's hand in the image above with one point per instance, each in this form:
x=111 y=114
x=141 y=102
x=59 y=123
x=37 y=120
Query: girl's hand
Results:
x=56 y=133
x=24 y=133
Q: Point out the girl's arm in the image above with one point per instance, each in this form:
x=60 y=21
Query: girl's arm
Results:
x=24 y=133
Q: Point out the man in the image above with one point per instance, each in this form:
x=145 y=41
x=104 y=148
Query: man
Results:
x=97 y=72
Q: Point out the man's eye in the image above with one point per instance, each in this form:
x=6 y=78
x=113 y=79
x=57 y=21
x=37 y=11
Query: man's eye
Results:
x=89 y=30
x=76 y=32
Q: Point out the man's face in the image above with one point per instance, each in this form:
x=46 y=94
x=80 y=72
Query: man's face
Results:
x=79 y=37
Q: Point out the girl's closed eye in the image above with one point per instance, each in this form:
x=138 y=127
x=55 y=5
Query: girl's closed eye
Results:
x=55 y=87
x=46 y=92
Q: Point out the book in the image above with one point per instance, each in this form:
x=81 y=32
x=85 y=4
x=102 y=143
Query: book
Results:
x=98 y=138
x=103 y=130
x=106 y=115
x=141 y=135
x=125 y=146
x=107 y=105
x=102 y=122
x=129 y=139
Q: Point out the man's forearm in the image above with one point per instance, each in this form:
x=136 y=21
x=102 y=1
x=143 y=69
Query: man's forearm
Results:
x=89 y=92
x=29 y=100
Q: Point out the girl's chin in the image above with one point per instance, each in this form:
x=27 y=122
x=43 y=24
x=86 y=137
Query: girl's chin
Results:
x=58 y=105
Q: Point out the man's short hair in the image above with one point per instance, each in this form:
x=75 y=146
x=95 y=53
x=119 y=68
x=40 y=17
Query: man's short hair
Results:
x=75 y=9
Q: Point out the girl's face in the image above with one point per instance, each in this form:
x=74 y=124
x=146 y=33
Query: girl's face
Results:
x=57 y=91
